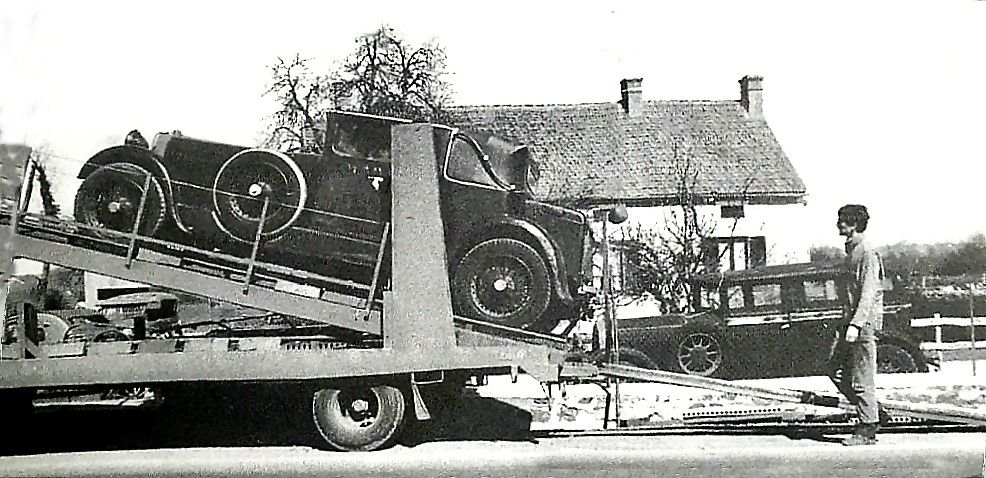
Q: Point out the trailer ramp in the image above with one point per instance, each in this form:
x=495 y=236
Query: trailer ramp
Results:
x=894 y=407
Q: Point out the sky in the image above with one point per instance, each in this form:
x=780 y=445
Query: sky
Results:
x=879 y=103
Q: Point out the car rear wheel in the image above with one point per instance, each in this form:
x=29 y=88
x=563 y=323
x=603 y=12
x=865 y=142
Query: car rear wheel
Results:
x=360 y=417
x=701 y=353
x=894 y=356
x=109 y=198
x=503 y=281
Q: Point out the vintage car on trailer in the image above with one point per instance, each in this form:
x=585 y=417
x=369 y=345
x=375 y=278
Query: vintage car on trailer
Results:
x=509 y=255
x=768 y=321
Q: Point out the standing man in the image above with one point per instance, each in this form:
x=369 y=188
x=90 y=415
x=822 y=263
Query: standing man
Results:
x=853 y=363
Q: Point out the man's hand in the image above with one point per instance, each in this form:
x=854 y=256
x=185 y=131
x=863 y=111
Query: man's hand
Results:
x=852 y=333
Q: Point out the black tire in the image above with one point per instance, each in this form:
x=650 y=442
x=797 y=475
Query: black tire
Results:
x=360 y=418
x=700 y=352
x=110 y=196
x=503 y=281
x=243 y=182
x=895 y=355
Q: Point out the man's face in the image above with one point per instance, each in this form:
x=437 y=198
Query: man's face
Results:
x=845 y=229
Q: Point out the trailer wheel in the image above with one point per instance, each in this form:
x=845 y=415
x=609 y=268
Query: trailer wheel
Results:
x=359 y=418
x=503 y=281
x=110 y=197
x=700 y=352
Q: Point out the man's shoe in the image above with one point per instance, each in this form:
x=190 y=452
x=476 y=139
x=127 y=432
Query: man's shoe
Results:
x=884 y=417
x=864 y=434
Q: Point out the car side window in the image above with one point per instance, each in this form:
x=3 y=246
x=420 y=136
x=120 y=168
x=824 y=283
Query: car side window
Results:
x=361 y=138
x=821 y=291
x=734 y=297
x=766 y=295
x=464 y=163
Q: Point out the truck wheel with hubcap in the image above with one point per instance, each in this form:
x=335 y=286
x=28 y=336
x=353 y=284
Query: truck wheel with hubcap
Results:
x=360 y=417
x=503 y=281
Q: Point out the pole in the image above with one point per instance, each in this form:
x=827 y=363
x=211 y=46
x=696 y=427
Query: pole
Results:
x=256 y=246
x=972 y=329
x=609 y=316
x=132 y=245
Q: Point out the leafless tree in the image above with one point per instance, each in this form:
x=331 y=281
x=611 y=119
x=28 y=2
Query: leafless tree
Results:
x=384 y=75
x=40 y=162
x=661 y=261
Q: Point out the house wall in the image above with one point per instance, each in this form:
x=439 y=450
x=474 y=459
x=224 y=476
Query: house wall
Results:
x=781 y=225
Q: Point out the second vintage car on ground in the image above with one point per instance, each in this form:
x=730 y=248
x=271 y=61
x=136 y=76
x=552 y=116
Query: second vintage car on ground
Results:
x=771 y=321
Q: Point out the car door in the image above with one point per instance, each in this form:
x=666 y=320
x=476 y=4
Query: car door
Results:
x=471 y=197
x=767 y=326
x=812 y=308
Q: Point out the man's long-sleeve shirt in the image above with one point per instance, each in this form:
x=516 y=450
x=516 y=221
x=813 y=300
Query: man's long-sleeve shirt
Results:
x=865 y=287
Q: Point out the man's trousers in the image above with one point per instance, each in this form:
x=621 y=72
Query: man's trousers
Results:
x=852 y=369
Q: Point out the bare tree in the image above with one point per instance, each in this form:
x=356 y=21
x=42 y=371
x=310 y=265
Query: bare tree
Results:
x=384 y=75
x=662 y=261
x=40 y=162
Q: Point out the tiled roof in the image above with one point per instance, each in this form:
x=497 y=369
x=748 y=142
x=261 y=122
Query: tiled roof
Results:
x=596 y=153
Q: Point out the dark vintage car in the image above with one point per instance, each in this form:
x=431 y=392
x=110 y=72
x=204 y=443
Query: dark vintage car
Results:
x=770 y=321
x=509 y=255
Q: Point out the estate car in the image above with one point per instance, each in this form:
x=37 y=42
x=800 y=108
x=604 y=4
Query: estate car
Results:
x=768 y=321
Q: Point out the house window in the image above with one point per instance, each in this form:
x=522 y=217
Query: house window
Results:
x=735 y=252
x=731 y=212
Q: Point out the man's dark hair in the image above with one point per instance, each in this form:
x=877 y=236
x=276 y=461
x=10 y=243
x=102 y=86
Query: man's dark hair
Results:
x=855 y=214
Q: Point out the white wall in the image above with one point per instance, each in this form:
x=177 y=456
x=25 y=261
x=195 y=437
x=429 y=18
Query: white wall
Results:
x=781 y=225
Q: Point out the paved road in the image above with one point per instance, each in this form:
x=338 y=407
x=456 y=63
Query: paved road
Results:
x=247 y=433
x=956 y=454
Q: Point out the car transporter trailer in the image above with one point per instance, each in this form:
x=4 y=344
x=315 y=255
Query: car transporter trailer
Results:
x=365 y=392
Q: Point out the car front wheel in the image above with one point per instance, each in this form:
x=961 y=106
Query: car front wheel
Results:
x=700 y=352
x=503 y=281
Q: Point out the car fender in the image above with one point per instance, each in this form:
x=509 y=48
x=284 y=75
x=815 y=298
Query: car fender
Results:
x=534 y=236
x=142 y=157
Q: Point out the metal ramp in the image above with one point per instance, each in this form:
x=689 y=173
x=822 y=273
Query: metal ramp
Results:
x=895 y=408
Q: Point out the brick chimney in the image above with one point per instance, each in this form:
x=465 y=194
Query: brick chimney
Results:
x=631 y=93
x=751 y=96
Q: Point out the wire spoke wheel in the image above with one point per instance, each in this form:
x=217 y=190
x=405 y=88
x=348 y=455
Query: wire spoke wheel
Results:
x=503 y=281
x=700 y=353
x=110 y=198
x=503 y=288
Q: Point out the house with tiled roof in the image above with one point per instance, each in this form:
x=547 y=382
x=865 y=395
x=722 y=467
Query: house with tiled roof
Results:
x=654 y=155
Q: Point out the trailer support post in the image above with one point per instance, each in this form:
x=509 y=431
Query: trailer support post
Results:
x=419 y=309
